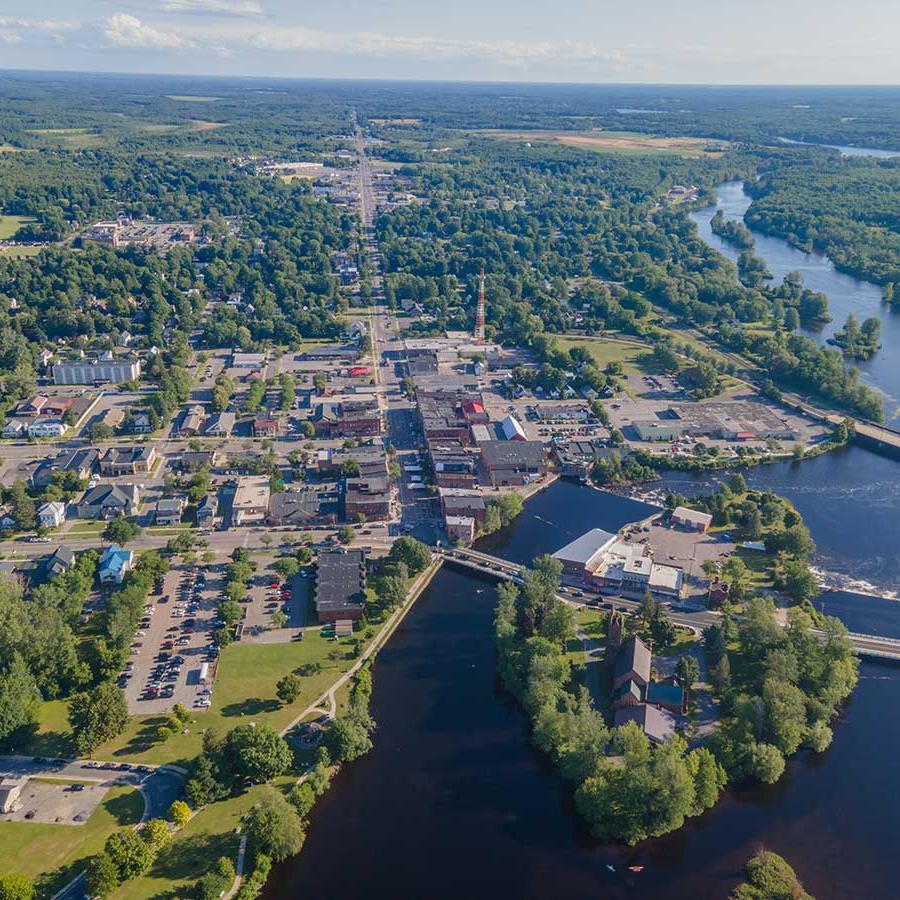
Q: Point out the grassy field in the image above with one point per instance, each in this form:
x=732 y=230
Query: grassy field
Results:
x=60 y=850
x=191 y=98
x=70 y=138
x=632 y=357
x=9 y=225
x=613 y=141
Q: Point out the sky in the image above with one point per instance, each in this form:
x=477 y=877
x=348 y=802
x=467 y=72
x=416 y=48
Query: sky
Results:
x=596 y=41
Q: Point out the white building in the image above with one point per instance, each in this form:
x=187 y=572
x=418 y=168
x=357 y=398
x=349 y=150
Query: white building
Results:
x=47 y=428
x=90 y=371
x=52 y=515
x=251 y=500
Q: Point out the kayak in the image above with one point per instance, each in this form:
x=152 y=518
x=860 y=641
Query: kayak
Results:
x=635 y=868
x=611 y=868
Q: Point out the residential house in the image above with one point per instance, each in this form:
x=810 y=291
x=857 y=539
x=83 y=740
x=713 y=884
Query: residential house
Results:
x=115 y=564
x=106 y=501
x=47 y=428
x=192 y=460
x=220 y=425
x=265 y=427
x=206 y=510
x=140 y=423
x=15 y=429
x=169 y=511
x=192 y=422
x=59 y=562
x=52 y=515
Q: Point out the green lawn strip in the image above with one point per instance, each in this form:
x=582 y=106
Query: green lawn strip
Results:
x=193 y=851
x=632 y=357
x=9 y=225
x=54 y=854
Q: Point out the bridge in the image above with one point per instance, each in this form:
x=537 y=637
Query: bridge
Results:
x=868 y=646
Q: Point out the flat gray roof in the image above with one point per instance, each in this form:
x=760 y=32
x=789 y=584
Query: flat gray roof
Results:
x=583 y=548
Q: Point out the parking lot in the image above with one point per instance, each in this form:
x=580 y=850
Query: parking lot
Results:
x=266 y=595
x=173 y=658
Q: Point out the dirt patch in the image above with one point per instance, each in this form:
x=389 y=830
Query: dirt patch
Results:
x=618 y=141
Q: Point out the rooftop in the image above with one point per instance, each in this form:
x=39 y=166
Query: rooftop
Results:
x=586 y=547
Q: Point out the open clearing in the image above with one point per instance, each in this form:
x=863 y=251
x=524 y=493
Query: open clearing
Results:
x=72 y=138
x=9 y=225
x=204 y=125
x=615 y=141
x=191 y=98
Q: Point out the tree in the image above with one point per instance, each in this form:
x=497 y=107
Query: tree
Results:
x=688 y=672
x=709 y=779
x=767 y=763
x=102 y=875
x=218 y=880
x=286 y=567
x=206 y=783
x=179 y=813
x=274 y=827
x=769 y=877
x=345 y=534
x=16 y=887
x=97 y=716
x=391 y=590
x=19 y=697
x=130 y=853
x=155 y=833
x=257 y=753
x=288 y=689
x=120 y=531
x=412 y=552
x=302 y=798
x=348 y=739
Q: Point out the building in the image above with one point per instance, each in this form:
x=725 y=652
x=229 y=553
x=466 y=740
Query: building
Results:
x=192 y=422
x=633 y=663
x=140 y=423
x=349 y=419
x=241 y=360
x=341 y=585
x=47 y=428
x=220 y=425
x=460 y=528
x=52 y=515
x=512 y=429
x=308 y=506
x=251 y=500
x=96 y=371
x=106 y=501
x=206 y=510
x=10 y=792
x=582 y=555
x=577 y=458
x=59 y=562
x=657 y=724
x=363 y=461
x=134 y=460
x=264 y=427
x=115 y=564
x=513 y=462
x=367 y=496
x=691 y=519
x=192 y=460
x=81 y=463
x=454 y=469
x=464 y=502
x=14 y=429
x=169 y=511
x=666 y=695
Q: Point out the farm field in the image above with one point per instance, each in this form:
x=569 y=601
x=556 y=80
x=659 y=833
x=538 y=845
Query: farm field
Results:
x=614 y=141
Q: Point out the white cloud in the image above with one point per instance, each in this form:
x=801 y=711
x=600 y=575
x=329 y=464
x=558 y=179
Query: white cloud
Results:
x=240 y=8
x=125 y=30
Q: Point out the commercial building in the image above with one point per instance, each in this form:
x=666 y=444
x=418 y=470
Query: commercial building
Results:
x=463 y=502
x=453 y=468
x=460 y=528
x=577 y=458
x=307 y=506
x=251 y=500
x=583 y=554
x=341 y=585
x=96 y=371
x=657 y=724
x=264 y=427
x=220 y=425
x=106 y=501
x=134 y=460
x=513 y=462
x=691 y=519
x=80 y=462
x=729 y=420
x=363 y=461
x=241 y=360
x=351 y=418
x=512 y=429
x=367 y=496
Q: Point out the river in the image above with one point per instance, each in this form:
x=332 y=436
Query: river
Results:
x=845 y=294
x=452 y=801
x=847 y=151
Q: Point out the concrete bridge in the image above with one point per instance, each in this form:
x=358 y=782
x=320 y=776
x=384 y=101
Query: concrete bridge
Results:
x=868 y=646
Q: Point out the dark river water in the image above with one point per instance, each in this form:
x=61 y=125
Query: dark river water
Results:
x=452 y=802
x=845 y=294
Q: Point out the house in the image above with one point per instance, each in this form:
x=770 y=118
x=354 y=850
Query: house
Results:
x=52 y=515
x=106 y=501
x=717 y=594
x=581 y=555
x=31 y=407
x=263 y=427
x=220 y=425
x=206 y=510
x=14 y=429
x=115 y=564
x=192 y=422
x=192 y=460
x=691 y=519
x=168 y=511
x=140 y=424
x=80 y=462
x=47 y=428
x=7 y=522
x=341 y=585
x=132 y=460
x=251 y=500
x=513 y=462
x=59 y=562
x=657 y=724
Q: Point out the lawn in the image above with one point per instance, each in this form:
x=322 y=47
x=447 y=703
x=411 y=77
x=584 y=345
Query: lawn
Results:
x=19 y=252
x=632 y=357
x=9 y=225
x=34 y=849
x=244 y=691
